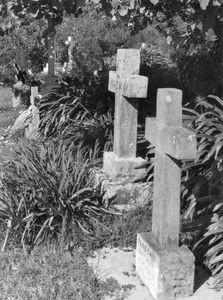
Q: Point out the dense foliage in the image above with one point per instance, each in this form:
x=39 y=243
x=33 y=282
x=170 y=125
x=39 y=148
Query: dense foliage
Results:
x=202 y=183
x=45 y=188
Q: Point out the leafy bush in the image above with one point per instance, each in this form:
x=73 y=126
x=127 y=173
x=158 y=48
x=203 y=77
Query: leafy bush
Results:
x=23 y=45
x=202 y=183
x=65 y=114
x=95 y=38
x=45 y=188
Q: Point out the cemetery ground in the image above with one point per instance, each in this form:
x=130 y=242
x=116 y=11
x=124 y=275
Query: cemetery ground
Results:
x=52 y=271
x=55 y=271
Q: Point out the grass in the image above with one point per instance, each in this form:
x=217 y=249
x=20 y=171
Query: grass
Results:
x=50 y=272
x=47 y=273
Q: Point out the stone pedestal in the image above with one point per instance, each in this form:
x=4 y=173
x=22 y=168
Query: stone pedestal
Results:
x=117 y=167
x=168 y=273
x=16 y=99
x=31 y=131
x=126 y=195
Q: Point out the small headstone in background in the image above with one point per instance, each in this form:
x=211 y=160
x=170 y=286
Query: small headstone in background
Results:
x=31 y=131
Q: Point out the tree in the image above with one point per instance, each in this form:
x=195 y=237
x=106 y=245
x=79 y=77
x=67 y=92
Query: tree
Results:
x=199 y=18
x=50 y=10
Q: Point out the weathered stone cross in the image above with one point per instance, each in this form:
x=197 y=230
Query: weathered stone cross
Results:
x=127 y=86
x=165 y=268
x=31 y=131
x=34 y=94
x=173 y=142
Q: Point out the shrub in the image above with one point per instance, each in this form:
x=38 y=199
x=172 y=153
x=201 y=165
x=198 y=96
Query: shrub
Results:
x=45 y=188
x=202 y=181
x=65 y=114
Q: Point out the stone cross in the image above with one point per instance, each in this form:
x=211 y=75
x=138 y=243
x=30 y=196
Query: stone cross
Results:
x=31 y=131
x=34 y=94
x=127 y=86
x=163 y=266
x=172 y=143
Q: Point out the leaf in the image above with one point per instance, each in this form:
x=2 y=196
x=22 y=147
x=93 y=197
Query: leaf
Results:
x=154 y=1
x=204 y=3
x=169 y=40
x=132 y=4
x=123 y=11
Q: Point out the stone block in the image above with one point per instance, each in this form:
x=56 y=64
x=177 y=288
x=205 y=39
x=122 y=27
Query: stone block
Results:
x=168 y=273
x=31 y=131
x=127 y=195
x=117 y=167
x=16 y=100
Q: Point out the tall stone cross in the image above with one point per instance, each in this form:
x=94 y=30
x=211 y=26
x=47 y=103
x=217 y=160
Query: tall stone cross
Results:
x=163 y=266
x=172 y=143
x=127 y=86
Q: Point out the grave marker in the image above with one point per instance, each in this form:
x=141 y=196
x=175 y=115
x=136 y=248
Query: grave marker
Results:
x=158 y=252
x=127 y=86
x=70 y=47
x=31 y=131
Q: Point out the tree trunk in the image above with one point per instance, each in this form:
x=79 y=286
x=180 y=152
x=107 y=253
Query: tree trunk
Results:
x=51 y=49
x=218 y=29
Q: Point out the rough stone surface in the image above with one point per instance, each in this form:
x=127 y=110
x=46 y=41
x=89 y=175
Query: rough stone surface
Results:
x=31 y=131
x=34 y=95
x=16 y=100
x=22 y=121
x=126 y=195
x=169 y=273
x=117 y=167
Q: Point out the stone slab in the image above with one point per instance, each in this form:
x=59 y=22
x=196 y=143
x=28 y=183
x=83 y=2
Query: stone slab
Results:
x=22 y=121
x=168 y=273
x=31 y=131
x=5 y=96
x=117 y=167
x=127 y=195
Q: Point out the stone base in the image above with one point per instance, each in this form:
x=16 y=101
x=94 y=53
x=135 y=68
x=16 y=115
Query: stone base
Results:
x=16 y=100
x=126 y=195
x=31 y=131
x=168 y=273
x=116 y=167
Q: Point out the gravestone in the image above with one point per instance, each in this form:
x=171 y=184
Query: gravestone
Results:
x=164 y=267
x=5 y=96
x=127 y=86
x=70 y=56
x=31 y=131
x=45 y=69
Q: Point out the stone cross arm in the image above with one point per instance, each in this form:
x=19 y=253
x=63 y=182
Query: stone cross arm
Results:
x=176 y=141
x=132 y=86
